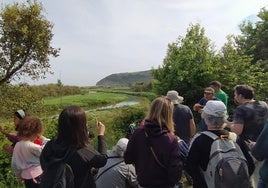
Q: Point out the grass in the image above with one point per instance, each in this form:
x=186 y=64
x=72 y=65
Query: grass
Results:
x=96 y=98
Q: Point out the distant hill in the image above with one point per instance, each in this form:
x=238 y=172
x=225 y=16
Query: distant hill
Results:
x=126 y=79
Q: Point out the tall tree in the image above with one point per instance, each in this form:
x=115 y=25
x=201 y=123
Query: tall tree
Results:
x=25 y=42
x=188 y=65
x=254 y=38
x=235 y=67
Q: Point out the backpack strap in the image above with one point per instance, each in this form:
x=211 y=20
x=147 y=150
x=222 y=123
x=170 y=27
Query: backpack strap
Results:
x=152 y=150
x=231 y=136
x=211 y=135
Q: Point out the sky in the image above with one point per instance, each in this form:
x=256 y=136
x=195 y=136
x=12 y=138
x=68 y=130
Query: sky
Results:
x=98 y=38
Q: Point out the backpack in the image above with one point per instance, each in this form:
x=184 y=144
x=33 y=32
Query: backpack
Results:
x=227 y=166
x=58 y=175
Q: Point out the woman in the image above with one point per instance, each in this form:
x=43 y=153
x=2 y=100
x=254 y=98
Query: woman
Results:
x=153 y=148
x=19 y=115
x=73 y=138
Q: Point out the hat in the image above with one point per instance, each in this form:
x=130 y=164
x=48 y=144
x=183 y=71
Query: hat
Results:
x=122 y=144
x=174 y=97
x=20 y=113
x=215 y=108
x=209 y=90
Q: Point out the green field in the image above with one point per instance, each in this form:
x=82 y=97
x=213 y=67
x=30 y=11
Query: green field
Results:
x=91 y=99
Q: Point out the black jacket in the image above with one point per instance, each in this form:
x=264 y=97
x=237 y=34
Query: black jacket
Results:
x=82 y=160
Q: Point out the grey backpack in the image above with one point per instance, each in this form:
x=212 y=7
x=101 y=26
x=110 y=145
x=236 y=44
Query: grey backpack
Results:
x=227 y=166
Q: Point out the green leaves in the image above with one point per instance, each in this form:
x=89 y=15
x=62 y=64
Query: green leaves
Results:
x=25 y=42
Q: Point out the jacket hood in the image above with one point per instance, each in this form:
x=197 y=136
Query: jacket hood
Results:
x=153 y=129
x=54 y=152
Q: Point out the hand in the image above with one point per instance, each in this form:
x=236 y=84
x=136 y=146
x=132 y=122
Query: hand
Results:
x=100 y=128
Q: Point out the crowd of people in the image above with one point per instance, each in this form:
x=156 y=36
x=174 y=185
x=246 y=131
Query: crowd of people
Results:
x=150 y=157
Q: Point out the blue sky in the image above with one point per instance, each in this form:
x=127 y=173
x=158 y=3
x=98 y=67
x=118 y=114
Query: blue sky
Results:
x=101 y=37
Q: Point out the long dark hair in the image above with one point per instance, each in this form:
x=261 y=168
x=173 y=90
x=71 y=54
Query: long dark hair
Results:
x=72 y=127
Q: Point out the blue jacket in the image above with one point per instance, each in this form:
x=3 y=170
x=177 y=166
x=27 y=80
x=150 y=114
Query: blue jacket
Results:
x=260 y=151
x=165 y=145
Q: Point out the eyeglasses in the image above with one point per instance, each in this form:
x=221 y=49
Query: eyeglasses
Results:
x=208 y=93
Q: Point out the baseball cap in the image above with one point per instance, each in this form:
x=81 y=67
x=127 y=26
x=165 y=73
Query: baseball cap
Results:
x=215 y=108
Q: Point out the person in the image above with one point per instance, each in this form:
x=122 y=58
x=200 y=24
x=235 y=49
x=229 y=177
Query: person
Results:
x=116 y=173
x=183 y=120
x=73 y=135
x=208 y=95
x=13 y=137
x=19 y=115
x=25 y=161
x=215 y=116
x=219 y=93
x=182 y=117
x=259 y=150
x=153 y=148
x=248 y=119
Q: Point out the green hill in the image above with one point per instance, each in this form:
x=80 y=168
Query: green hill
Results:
x=126 y=79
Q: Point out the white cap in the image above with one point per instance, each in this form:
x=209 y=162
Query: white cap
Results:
x=215 y=108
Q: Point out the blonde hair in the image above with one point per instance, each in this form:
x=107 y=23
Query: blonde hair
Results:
x=162 y=111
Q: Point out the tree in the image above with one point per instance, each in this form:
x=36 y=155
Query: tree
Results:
x=254 y=38
x=235 y=67
x=25 y=37
x=188 y=65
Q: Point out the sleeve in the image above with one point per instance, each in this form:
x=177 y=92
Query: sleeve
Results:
x=260 y=148
x=102 y=147
x=36 y=149
x=245 y=151
x=100 y=159
x=176 y=164
x=194 y=162
x=238 y=116
x=129 y=155
x=132 y=177
x=12 y=138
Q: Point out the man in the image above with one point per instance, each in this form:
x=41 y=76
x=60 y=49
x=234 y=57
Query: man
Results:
x=208 y=95
x=214 y=114
x=182 y=116
x=183 y=120
x=219 y=93
x=249 y=118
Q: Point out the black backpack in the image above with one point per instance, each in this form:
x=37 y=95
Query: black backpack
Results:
x=58 y=175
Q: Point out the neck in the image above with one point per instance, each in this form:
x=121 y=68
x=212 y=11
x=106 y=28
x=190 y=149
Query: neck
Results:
x=247 y=100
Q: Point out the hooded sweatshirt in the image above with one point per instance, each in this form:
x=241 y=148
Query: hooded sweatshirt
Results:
x=165 y=145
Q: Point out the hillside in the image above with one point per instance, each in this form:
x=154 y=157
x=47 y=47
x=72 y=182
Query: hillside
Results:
x=125 y=79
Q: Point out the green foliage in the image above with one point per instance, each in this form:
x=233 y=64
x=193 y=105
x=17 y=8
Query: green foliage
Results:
x=56 y=90
x=187 y=67
x=25 y=42
x=7 y=179
x=14 y=97
x=191 y=63
x=128 y=116
x=254 y=38
x=235 y=67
